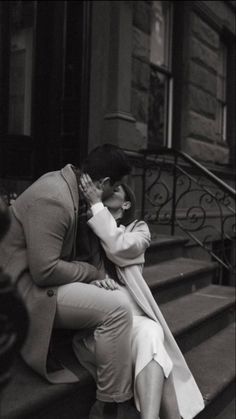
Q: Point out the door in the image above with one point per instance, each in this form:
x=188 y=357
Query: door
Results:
x=45 y=86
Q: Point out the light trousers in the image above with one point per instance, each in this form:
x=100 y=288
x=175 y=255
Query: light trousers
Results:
x=85 y=306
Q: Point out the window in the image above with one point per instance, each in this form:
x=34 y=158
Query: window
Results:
x=221 y=94
x=21 y=58
x=161 y=80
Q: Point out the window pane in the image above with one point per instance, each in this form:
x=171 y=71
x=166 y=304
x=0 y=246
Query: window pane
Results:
x=221 y=73
x=157 y=125
x=21 y=58
x=221 y=94
x=160 y=33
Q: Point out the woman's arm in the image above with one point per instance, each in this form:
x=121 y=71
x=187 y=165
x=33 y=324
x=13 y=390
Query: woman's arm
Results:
x=122 y=247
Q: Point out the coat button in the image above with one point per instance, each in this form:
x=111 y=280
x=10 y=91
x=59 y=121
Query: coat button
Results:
x=50 y=293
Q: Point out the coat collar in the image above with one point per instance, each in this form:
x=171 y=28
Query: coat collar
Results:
x=69 y=176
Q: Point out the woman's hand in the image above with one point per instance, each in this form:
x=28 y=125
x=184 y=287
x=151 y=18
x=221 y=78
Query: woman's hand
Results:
x=107 y=283
x=91 y=192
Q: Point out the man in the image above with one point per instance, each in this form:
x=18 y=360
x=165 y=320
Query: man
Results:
x=51 y=256
x=13 y=324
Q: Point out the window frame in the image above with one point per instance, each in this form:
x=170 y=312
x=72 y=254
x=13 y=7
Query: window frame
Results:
x=167 y=71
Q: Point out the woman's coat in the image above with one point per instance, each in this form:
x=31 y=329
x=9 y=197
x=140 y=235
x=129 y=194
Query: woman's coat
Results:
x=39 y=254
x=125 y=247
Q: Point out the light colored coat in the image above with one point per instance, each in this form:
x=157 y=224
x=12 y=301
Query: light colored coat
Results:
x=125 y=247
x=38 y=253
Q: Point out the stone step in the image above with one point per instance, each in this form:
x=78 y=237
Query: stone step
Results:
x=164 y=247
x=213 y=366
x=29 y=396
x=229 y=411
x=174 y=278
x=194 y=318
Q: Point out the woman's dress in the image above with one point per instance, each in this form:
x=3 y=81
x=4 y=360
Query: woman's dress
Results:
x=147 y=343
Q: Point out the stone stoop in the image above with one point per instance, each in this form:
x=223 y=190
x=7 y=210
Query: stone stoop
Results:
x=178 y=276
x=165 y=247
x=199 y=314
x=213 y=365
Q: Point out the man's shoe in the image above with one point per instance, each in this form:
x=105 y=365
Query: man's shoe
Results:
x=125 y=410
x=103 y=410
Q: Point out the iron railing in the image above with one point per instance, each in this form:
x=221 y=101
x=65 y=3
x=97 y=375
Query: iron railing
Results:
x=181 y=193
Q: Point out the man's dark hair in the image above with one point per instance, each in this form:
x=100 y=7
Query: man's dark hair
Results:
x=107 y=160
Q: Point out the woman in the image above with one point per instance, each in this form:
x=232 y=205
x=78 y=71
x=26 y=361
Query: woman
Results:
x=161 y=374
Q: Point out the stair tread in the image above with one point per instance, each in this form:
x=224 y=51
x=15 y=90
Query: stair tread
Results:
x=192 y=309
x=213 y=362
x=180 y=314
x=15 y=400
x=175 y=269
x=161 y=240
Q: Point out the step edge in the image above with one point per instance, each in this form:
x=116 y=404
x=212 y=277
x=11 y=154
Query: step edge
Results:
x=211 y=342
x=184 y=330
x=174 y=278
x=155 y=243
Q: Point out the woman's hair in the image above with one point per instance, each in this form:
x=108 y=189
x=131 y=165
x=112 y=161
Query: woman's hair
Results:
x=129 y=214
x=107 y=160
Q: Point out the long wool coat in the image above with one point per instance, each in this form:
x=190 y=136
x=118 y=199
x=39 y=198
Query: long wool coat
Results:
x=38 y=252
x=125 y=247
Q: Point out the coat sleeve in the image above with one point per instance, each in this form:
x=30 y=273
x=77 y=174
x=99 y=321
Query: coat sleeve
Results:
x=46 y=224
x=122 y=247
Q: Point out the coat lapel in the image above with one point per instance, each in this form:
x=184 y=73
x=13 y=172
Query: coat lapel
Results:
x=70 y=178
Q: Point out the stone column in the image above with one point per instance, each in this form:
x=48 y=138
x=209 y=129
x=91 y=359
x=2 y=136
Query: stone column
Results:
x=119 y=124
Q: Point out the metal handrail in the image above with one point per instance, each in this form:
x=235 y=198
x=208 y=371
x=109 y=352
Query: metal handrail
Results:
x=193 y=162
x=162 y=199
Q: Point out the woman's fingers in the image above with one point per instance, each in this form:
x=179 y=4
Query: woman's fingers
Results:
x=108 y=284
x=111 y=284
x=90 y=191
x=86 y=181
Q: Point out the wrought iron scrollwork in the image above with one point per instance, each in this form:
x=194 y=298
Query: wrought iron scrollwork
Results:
x=180 y=192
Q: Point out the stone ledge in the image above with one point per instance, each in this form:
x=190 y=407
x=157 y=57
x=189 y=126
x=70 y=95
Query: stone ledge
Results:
x=206 y=151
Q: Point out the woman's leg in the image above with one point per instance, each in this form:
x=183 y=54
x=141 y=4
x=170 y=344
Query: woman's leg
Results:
x=151 y=364
x=169 y=406
x=149 y=386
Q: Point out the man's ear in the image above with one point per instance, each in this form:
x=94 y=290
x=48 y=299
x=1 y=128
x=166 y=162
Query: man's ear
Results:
x=126 y=205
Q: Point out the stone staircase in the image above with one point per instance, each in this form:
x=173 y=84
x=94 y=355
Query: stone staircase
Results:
x=201 y=317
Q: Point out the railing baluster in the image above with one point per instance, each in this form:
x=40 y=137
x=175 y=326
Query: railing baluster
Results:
x=143 y=187
x=173 y=211
x=194 y=197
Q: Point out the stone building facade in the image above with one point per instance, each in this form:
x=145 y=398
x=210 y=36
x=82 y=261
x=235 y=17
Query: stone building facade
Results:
x=96 y=77
x=204 y=28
